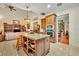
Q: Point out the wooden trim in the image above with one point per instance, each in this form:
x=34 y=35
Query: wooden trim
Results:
x=51 y=15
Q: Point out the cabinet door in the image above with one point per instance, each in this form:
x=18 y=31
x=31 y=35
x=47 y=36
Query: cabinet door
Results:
x=40 y=47
x=43 y=23
x=50 y=20
x=47 y=45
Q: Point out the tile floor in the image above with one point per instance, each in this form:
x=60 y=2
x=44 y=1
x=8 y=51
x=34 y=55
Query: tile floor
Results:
x=8 y=48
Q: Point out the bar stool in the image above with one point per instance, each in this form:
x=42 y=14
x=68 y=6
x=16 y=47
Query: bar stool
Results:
x=19 y=42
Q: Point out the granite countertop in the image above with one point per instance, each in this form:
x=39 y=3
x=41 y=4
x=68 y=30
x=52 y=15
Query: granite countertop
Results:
x=37 y=36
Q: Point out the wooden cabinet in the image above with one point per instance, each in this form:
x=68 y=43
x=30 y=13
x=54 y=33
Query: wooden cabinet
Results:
x=50 y=19
x=47 y=45
x=36 y=45
x=12 y=27
x=7 y=27
x=43 y=23
x=43 y=46
x=1 y=37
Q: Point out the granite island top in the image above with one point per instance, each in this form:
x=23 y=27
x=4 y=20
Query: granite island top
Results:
x=37 y=36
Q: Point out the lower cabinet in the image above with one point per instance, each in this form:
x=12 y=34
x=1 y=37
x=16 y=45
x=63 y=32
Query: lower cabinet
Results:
x=2 y=38
x=47 y=46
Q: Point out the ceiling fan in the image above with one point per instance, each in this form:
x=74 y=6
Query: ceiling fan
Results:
x=12 y=8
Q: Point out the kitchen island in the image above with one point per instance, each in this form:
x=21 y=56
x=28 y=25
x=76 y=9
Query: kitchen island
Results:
x=36 y=44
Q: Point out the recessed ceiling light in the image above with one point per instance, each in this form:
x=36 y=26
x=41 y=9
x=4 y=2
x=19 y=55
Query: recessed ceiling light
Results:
x=43 y=13
x=48 y=6
x=59 y=4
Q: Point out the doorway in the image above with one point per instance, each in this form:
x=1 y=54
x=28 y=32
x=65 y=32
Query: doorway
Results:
x=63 y=28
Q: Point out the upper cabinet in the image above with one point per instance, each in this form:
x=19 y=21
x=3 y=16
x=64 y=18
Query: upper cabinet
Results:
x=50 y=19
x=43 y=23
x=48 y=24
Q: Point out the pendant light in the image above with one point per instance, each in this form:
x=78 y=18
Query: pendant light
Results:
x=27 y=16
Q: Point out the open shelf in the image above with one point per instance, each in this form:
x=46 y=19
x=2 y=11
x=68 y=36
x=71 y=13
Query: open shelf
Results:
x=29 y=47
x=31 y=52
x=37 y=47
x=33 y=49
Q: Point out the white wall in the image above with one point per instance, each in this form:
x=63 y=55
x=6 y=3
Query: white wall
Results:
x=73 y=25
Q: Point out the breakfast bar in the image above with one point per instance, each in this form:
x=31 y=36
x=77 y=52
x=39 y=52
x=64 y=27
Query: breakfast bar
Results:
x=36 y=44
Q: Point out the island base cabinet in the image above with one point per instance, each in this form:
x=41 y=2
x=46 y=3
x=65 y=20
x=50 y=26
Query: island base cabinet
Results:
x=37 y=45
x=42 y=47
x=47 y=46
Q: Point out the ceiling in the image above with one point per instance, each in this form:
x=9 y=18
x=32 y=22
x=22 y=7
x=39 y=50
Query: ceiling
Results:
x=38 y=8
x=42 y=7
